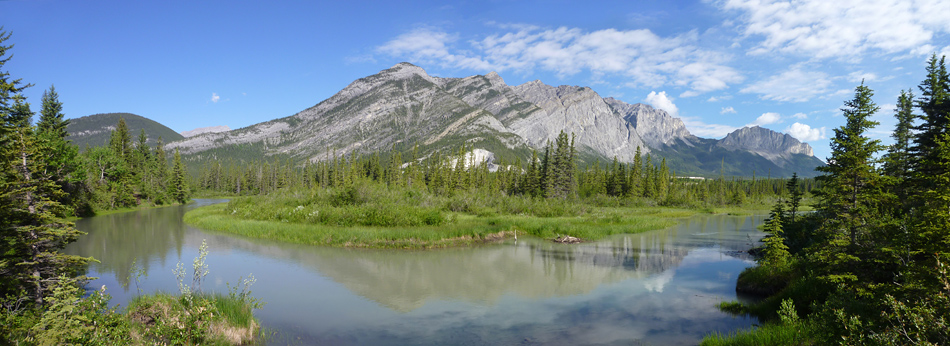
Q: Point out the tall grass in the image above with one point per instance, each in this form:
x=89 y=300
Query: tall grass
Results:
x=800 y=333
x=374 y=215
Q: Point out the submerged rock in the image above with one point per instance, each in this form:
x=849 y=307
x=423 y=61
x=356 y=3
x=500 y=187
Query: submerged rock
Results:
x=566 y=239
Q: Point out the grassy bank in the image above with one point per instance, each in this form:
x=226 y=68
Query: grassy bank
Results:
x=379 y=217
x=70 y=317
x=202 y=319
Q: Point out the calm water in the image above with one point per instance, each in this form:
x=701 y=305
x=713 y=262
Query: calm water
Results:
x=656 y=288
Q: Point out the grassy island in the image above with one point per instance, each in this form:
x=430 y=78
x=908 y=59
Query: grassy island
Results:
x=377 y=216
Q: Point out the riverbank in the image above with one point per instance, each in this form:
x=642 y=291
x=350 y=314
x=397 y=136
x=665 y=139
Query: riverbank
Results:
x=378 y=217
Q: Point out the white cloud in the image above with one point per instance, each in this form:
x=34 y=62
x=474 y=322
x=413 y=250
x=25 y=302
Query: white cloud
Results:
x=794 y=85
x=727 y=110
x=945 y=52
x=861 y=76
x=841 y=29
x=800 y=116
x=215 y=97
x=641 y=56
x=426 y=45
x=661 y=101
x=713 y=99
x=805 y=133
x=699 y=128
x=766 y=119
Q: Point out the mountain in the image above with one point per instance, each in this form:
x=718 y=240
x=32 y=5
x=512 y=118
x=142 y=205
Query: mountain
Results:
x=200 y=130
x=95 y=130
x=403 y=106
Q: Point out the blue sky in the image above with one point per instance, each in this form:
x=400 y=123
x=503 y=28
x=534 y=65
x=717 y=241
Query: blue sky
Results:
x=719 y=65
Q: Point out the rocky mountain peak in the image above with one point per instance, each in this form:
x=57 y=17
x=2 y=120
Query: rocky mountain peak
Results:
x=405 y=70
x=656 y=126
x=770 y=144
x=495 y=79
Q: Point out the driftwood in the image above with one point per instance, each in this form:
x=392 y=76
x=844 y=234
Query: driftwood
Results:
x=566 y=239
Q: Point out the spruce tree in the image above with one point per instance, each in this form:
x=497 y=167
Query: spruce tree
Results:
x=179 y=183
x=850 y=195
x=636 y=175
x=31 y=225
x=61 y=157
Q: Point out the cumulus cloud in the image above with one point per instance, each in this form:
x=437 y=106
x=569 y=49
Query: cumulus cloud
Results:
x=794 y=85
x=800 y=116
x=766 y=119
x=215 y=97
x=805 y=133
x=841 y=29
x=726 y=110
x=425 y=45
x=661 y=101
x=641 y=56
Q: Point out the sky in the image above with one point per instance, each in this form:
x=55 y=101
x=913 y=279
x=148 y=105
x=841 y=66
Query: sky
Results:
x=719 y=65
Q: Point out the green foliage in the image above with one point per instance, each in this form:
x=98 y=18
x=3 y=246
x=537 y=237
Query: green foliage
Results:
x=775 y=252
x=73 y=319
x=868 y=261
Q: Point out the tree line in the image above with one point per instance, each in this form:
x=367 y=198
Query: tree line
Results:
x=552 y=173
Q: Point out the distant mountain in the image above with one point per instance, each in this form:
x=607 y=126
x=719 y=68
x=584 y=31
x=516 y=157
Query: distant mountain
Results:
x=95 y=130
x=403 y=106
x=210 y=129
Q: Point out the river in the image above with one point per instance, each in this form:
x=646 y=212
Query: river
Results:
x=654 y=288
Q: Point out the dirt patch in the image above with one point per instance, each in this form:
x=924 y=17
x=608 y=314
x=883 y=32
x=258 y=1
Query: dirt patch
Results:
x=235 y=335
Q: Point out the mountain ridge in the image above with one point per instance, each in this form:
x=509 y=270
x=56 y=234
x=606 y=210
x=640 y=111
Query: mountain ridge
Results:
x=404 y=106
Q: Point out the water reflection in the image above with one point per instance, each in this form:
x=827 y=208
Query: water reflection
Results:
x=658 y=287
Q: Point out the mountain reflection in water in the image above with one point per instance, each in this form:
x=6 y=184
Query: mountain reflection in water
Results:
x=657 y=287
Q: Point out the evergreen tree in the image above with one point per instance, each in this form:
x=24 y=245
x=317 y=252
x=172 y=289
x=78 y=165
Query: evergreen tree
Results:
x=121 y=141
x=179 y=183
x=31 y=225
x=775 y=251
x=649 y=179
x=850 y=195
x=795 y=196
x=532 y=177
x=61 y=157
x=663 y=182
x=636 y=175
x=897 y=161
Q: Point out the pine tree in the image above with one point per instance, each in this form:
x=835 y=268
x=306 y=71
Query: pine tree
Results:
x=636 y=175
x=532 y=177
x=775 y=252
x=795 y=196
x=649 y=179
x=663 y=181
x=121 y=141
x=31 y=224
x=179 y=183
x=61 y=157
x=850 y=195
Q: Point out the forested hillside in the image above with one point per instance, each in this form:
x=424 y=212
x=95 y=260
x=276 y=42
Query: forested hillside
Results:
x=95 y=130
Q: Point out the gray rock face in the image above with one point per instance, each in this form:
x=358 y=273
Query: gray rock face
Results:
x=577 y=110
x=210 y=129
x=403 y=106
x=770 y=144
x=656 y=127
